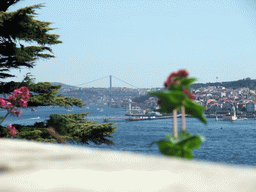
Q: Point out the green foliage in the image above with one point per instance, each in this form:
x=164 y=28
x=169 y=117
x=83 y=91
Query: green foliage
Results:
x=181 y=147
x=194 y=109
x=42 y=93
x=18 y=27
x=79 y=129
x=175 y=97
x=187 y=82
x=71 y=127
x=170 y=100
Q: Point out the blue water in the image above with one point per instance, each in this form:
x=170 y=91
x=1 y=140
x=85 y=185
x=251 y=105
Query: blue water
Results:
x=226 y=141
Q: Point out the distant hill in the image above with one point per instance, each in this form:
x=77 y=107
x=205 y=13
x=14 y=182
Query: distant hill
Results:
x=141 y=99
x=248 y=82
x=63 y=85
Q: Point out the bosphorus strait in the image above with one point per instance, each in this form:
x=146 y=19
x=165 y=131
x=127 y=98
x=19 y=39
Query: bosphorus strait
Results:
x=226 y=141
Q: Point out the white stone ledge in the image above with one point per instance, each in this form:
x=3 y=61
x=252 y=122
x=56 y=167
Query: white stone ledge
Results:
x=30 y=166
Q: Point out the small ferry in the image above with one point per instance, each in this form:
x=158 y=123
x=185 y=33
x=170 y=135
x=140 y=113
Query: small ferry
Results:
x=139 y=118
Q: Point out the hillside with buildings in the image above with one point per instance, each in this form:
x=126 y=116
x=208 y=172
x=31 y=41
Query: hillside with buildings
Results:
x=116 y=97
x=215 y=97
x=248 y=82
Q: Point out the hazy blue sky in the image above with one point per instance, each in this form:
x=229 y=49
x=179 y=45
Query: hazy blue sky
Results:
x=143 y=41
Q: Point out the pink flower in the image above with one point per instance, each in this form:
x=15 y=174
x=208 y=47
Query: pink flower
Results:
x=15 y=112
x=18 y=113
x=22 y=93
x=2 y=102
x=12 y=130
x=10 y=127
x=17 y=92
x=169 y=82
x=12 y=98
x=182 y=73
x=23 y=103
x=8 y=105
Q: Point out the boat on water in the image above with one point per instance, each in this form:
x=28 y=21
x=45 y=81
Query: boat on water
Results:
x=242 y=119
x=106 y=119
x=33 y=109
x=139 y=118
x=36 y=118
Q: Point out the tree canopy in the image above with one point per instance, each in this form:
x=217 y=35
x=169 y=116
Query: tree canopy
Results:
x=18 y=28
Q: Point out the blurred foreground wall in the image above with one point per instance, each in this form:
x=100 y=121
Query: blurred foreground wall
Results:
x=30 y=166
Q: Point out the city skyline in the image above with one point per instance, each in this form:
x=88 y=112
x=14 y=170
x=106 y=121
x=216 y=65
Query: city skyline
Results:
x=142 y=42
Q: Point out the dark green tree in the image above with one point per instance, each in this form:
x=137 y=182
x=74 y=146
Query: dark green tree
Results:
x=17 y=29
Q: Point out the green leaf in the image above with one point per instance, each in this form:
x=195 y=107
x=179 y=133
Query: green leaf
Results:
x=169 y=149
x=192 y=142
x=170 y=100
x=175 y=87
x=187 y=154
x=195 y=110
x=181 y=147
x=186 y=82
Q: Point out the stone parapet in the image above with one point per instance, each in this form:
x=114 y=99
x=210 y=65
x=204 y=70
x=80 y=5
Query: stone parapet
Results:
x=29 y=166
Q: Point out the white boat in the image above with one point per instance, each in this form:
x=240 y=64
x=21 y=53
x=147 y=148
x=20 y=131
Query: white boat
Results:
x=242 y=119
x=70 y=109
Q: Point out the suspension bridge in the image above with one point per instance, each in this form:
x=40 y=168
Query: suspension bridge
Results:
x=121 y=117
x=110 y=77
x=110 y=81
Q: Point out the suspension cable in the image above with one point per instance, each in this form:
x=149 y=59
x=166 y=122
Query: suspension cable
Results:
x=92 y=81
x=124 y=82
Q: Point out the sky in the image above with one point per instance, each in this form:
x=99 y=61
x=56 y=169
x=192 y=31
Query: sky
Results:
x=142 y=41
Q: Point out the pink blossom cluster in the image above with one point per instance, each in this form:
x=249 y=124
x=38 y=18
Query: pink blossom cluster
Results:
x=12 y=130
x=19 y=98
x=174 y=79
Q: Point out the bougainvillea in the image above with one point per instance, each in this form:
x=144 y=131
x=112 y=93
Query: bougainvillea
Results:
x=13 y=103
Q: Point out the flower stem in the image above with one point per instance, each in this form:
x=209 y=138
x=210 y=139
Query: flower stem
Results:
x=4 y=117
x=183 y=119
x=174 y=120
